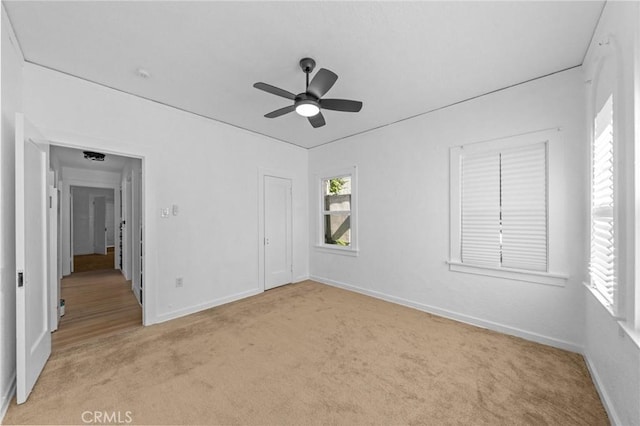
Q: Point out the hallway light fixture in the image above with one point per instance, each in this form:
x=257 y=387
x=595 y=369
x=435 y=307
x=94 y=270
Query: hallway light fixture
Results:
x=93 y=156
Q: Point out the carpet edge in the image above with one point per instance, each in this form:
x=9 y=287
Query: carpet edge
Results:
x=466 y=319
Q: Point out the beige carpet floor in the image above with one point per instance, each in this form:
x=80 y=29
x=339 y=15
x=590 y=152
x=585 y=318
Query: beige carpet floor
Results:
x=312 y=354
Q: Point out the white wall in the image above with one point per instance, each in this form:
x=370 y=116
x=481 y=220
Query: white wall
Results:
x=11 y=89
x=403 y=184
x=189 y=161
x=612 y=348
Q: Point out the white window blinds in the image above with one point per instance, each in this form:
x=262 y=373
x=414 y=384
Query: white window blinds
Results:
x=524 y=208
x=602 y=264
x=481 y=209
x=504 y=208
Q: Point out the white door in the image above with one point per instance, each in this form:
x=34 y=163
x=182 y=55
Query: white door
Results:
x=33 y=339
x=277 y=232
x=100 y=225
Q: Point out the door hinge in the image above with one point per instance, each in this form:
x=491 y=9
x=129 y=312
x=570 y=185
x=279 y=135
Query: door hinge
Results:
x=20 y=279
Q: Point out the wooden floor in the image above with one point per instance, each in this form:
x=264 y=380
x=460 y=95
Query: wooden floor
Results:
x=94 y=262
x=97 y=304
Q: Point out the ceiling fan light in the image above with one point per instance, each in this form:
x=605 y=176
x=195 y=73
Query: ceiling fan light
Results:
x=307 y=108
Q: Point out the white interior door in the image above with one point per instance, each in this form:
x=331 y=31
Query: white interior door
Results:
x=33 y=338
x=100 y=225
x=277 y=232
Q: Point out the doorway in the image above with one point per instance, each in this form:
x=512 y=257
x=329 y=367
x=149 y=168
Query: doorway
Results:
x=100 y=282
x=93 y=218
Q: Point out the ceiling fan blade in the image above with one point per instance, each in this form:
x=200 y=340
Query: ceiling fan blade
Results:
x=317 y=120
x=341 y=105
x=281 y=111
x=322 y=82
x=274 y=90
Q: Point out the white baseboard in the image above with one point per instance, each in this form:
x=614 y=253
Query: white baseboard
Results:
x=604 y=396
x=8 y=397
x=206 y=305
x=300 y=278
x=467 y=319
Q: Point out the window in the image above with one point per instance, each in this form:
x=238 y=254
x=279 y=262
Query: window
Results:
x=500 y=209
x=337 y=211
x=504 y=208
x=602 y=265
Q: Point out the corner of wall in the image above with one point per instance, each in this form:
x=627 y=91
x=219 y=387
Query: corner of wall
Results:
x=7 y=397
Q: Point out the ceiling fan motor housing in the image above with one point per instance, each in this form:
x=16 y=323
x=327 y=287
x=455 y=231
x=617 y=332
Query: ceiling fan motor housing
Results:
x=307 y=65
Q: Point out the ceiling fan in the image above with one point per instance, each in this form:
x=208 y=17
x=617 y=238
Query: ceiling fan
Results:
x=309 y=103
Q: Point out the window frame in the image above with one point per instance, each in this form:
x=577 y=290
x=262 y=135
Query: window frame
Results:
x=321 y=245
x=605 y=80
x=556 y=243
x=614 y=305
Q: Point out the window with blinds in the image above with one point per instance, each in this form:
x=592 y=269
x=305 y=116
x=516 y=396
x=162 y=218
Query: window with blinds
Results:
x=504 y=208
x=602 y=265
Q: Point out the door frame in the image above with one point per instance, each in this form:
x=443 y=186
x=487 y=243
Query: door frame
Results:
x=53 y=281
x=80 y=183
x=89 y=143
x=262 y=172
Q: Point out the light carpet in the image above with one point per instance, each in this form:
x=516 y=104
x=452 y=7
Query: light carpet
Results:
x=312 y=354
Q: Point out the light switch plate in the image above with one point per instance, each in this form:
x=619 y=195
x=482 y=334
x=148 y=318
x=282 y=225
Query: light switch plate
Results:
x=174 y=209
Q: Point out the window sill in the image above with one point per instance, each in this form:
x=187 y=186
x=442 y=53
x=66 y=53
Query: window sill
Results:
x=546 y=278
x=337 y=250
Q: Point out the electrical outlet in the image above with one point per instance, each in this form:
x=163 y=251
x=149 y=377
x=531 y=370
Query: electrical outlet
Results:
x=179 y=282
x=164 y=212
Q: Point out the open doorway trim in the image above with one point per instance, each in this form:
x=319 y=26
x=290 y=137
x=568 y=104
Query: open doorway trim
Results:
x=84 y=142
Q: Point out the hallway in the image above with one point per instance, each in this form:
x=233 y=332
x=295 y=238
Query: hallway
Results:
x=98 y=304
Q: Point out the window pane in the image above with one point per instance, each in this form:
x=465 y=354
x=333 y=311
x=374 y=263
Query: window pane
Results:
x=523 y=198
x=603 y=254
x=337 y=194
x=340 y=185
x=480 y=208
x=337 y=203
x=337 y=229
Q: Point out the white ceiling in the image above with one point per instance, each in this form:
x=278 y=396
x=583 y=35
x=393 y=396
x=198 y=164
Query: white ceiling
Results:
x=400 y=58
x=71 y=157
